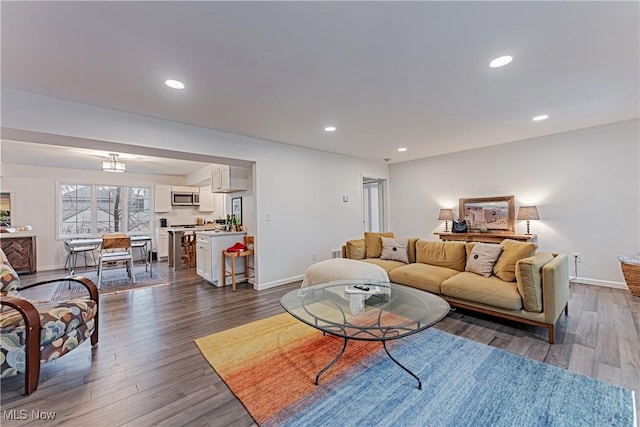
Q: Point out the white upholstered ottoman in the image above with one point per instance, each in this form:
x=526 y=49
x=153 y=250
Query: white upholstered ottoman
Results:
x=343 y=268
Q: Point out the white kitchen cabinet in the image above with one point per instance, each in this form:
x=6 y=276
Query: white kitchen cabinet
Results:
x=229 y=179
x=162 y=242
x=184 y=189
x=162 y=198
x=209 y=247
x=220 y=205
x=203 y=257
x=207 y=200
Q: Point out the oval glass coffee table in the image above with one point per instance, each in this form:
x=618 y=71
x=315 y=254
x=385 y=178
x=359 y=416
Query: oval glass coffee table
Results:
x=365 y=310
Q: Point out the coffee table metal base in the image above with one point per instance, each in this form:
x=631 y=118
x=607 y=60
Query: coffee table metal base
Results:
x=384 y=344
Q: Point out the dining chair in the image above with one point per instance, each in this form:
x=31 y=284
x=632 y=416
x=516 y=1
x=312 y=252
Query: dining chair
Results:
x=72 y=255
x=142 y=245
x=116 y=248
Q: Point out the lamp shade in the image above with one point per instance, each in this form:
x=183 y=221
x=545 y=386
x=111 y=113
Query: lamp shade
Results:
x=113 y=165
x=528 y=212
x=445 y=215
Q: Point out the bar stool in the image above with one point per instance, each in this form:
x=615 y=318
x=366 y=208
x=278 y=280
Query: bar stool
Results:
x=249 y=242
x=189 y=249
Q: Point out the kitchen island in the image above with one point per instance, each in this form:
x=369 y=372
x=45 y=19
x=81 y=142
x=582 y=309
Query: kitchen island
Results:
x=176 y=260
x=209 y=247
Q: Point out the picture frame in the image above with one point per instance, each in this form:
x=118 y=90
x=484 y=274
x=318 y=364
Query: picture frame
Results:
x=236 y=209
x=5 y=209
x=489 y=214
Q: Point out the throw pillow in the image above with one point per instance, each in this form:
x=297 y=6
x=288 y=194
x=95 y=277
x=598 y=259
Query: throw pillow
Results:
x=512 y=252
x=356 y=249
x=374 y=243
x=395 y=249
x=482 y=258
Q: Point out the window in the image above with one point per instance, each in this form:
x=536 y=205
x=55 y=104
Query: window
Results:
x=97 y=209
x=138 y=209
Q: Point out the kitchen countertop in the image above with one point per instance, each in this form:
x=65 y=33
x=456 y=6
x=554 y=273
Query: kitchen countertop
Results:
x=218 y=233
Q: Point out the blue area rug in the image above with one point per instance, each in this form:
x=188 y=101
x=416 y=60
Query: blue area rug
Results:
x=464 y=384
x=270 y=365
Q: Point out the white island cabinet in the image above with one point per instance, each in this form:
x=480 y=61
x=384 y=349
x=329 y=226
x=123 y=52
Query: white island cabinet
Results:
x=209 y=247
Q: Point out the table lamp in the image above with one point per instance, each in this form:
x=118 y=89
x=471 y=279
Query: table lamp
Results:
x=528 y=213
x=446 y=215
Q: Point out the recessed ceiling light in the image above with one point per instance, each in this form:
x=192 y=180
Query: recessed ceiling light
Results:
x=402 y=149
x=174 y=84
x=540 y=117
x=330 y=129
x=501 y=61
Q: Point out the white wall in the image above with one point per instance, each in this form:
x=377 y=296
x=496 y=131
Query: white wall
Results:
x=300 y=189
x=586 y=184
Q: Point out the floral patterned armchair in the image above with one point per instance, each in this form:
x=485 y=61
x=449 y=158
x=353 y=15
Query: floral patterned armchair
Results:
x=39 y=331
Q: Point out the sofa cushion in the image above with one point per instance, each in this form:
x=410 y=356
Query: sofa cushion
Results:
x=386 y=264
x=512 y=252
x=395 y=249
x=422 y=276
x=441 y=254
x=374 y=243
x=484 y=290
x=529 y=280
x=356 y=249
x=482 y=258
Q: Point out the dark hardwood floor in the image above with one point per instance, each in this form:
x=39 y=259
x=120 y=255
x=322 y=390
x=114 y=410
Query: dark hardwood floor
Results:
x=147 y=371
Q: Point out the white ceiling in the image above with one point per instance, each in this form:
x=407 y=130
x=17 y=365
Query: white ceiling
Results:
x=387 y=74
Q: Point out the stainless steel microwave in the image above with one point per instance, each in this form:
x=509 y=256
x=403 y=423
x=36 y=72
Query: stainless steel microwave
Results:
x=185 y=199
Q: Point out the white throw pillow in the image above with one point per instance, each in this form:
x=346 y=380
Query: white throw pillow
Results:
x=482 y=258
x=395 y=249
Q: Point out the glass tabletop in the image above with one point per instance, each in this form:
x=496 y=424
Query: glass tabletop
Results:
x=365 y=310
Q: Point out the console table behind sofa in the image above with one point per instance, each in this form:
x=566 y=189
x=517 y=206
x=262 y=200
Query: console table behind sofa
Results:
x=487 y=237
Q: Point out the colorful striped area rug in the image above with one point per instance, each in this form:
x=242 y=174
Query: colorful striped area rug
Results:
x=271 y=364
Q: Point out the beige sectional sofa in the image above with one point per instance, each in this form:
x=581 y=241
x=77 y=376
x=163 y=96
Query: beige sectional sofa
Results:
x=522 y=285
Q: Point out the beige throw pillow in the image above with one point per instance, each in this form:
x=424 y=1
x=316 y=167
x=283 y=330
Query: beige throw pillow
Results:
x=374 y=243
x=395 y=249
x=512 y=252
x=482 y=258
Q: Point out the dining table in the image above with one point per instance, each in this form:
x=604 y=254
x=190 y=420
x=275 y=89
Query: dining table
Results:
x=87 y=241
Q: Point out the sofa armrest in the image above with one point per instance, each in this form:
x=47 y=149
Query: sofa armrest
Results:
x=555 y=287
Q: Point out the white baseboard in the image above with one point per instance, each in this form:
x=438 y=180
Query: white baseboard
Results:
x=596 y=282
x=263 y=286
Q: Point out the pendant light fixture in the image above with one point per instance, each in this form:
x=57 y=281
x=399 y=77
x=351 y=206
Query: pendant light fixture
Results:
x=113 y=165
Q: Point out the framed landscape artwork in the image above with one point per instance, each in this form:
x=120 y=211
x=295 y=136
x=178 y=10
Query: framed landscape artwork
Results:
x=236 y=209
x=492 y=214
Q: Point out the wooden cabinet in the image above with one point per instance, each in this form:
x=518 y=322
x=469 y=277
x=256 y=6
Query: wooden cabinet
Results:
x=20 y=250
x=487 y=237
x=229 y=179
x=162 y=198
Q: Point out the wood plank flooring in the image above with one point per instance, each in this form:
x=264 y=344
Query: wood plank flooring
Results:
x=147 y=371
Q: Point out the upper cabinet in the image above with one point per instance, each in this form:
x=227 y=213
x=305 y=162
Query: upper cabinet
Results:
x=162 y=198
x=207 y=201
x=229 y=179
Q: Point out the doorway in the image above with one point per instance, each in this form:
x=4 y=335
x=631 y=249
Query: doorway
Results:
x=373 y=204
